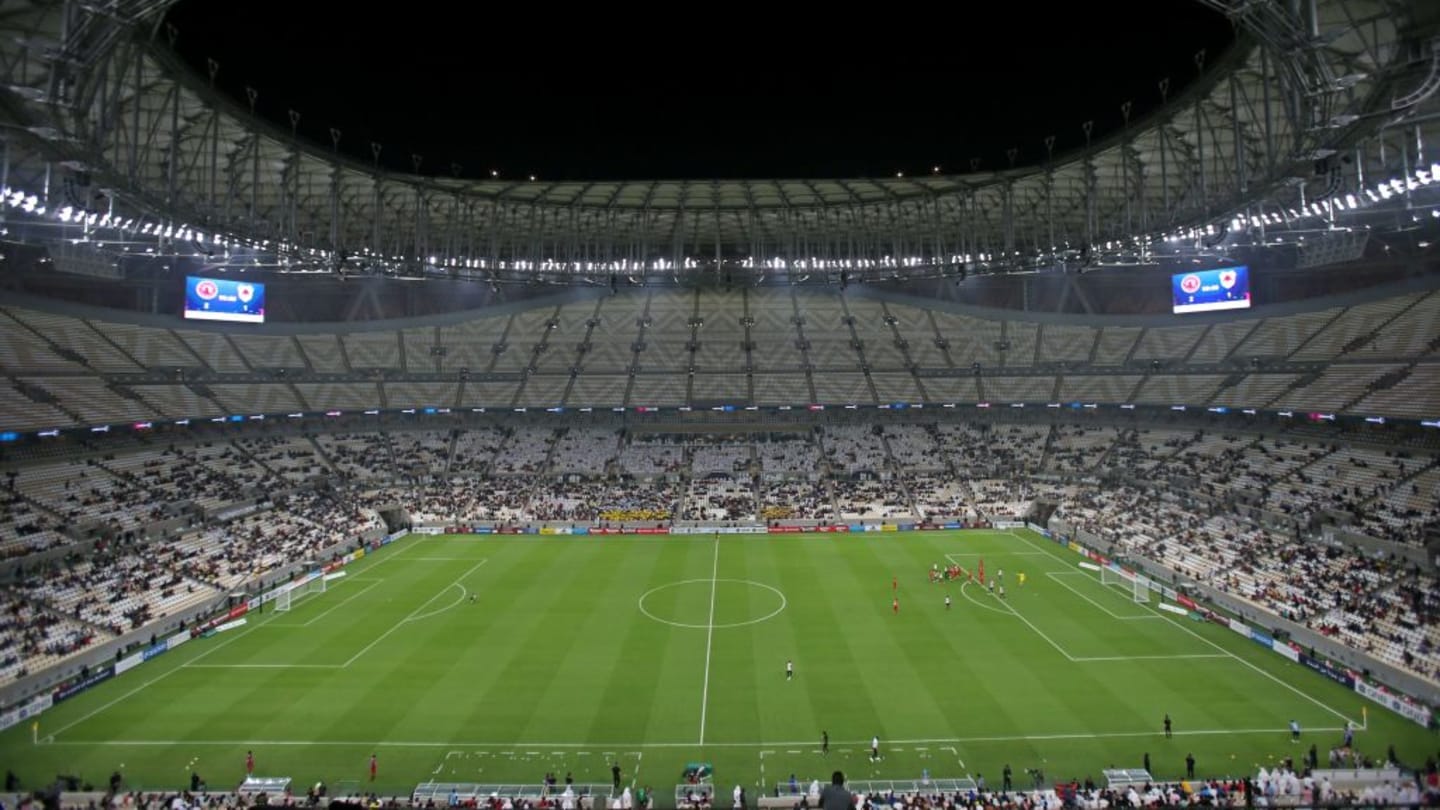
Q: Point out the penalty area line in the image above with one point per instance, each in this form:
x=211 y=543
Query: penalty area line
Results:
x=413 y=614
x=219 y=646
x=1227 y=652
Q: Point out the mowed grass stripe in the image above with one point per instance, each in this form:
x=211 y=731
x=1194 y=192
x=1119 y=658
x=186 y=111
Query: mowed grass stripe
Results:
x=650 y=672
x=556 y=652
x=1260 y=678
x=747 y=683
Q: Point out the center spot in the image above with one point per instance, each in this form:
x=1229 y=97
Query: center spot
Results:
x=738 y=602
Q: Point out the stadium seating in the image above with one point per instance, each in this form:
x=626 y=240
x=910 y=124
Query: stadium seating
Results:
x=802 y=346
x=719 y=498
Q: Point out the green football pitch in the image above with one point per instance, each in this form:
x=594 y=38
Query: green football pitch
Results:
x=497 y=659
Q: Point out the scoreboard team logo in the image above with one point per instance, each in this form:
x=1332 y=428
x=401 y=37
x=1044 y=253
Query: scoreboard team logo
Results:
x=245 y=292
x=1191 y=283
x=207 y=289
x=1227 y=278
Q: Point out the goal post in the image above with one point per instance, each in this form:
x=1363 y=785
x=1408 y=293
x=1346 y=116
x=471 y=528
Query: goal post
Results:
x=1142 y=589
x=1139 y=586
x=290 y=592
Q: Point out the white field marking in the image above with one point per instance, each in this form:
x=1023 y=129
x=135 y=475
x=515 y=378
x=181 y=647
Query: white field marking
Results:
x=863 y=744
x=442 y=559
x=463 y=593
x=635 y=774
x=640 y=603
x=397 y=625
x=1058 y=577
x=1178 y=657
x=981 y=604
x=1225 y=651
x=1037 y=630
x=709 y=637
x=956 y=754
x=222 y=644
x=262 y=666
x=997 y=554
x=338 y=605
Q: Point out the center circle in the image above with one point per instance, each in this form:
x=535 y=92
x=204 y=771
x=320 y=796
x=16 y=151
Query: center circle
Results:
x=688 y=603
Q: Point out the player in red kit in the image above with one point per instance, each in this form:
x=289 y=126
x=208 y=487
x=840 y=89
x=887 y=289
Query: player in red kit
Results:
x=372 y=767
x=249 y=763
x=895 y=606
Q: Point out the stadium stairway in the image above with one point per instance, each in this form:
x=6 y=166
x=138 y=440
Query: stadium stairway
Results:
x=1381 y=383
x=295 y=392
x=323 y=456
x=41 y=603
x=62 y=520
x=1398 y=483
x=275 y=477
x=450 y=448
x=899 y=474
x=1049 y=446
x=1303 y=381
x=35 y=393
x=1104 y=461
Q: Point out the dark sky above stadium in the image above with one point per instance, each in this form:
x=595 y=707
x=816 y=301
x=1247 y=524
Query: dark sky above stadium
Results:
x=699 y=90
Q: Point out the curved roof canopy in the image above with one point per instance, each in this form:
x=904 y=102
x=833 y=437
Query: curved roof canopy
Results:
x=113 y=118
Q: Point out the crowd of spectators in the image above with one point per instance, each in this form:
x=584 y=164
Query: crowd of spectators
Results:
x=30 y=636
x=788 y=453
x=55 y=608
x=719 y=498
x=25 y=529
x=1377 y=604
x=835 y=473
x=524 y=452
x=853 y=448
x=720 y=455
x=650 y=455
x=586 y=451
x=860 y=498
x=914 y=448
x=1278 y=787
x=292 y=458
x=796 y=499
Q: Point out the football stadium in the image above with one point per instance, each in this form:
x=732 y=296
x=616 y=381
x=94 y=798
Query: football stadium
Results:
x=1101 y=470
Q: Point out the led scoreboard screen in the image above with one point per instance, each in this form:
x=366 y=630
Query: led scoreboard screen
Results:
x=1211 y=290
x=218 y=299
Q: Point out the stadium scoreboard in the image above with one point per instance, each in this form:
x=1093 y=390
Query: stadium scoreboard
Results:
x=1211 y=290
x=218 y=299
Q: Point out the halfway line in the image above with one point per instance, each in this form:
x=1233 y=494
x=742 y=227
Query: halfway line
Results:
x=709 y=636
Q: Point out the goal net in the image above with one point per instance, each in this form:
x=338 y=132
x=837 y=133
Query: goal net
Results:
x=289 y=594
x=1138 y=585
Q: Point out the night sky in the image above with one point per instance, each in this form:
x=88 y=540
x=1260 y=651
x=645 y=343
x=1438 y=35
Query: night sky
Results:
x=699 y=90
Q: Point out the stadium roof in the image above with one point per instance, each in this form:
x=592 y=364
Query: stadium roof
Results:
x=116 y=119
